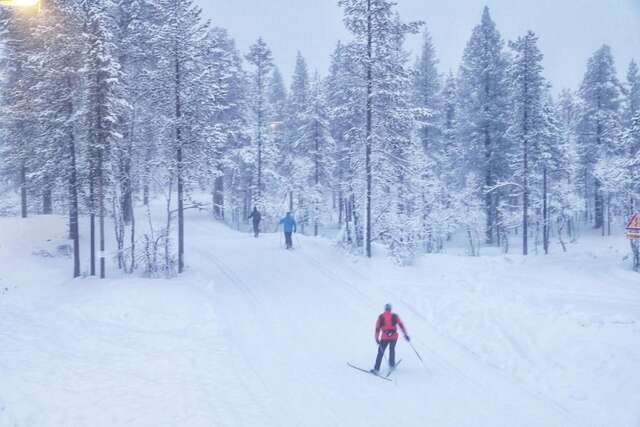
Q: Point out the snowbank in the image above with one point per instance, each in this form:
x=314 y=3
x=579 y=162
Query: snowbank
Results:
x=253 y=335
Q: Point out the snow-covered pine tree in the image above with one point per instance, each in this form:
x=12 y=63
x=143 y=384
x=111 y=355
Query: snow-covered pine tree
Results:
x=229 y=119
x=278 y=117
x=315 y=148
x=261 y=61
x=631 y=139
x=277 y=98
x=449 y=119
x=633 y=167
x=573 y=206
x=375 y=30
x=104 y=102
x=427 y=87
x=398 y=157
x=134 y=40
x=558 y=196
x=483 y=94
x=297 y=107
x=58 y=98
x=345 y=97
x=527 y=121
x=183 y=33
x=598 y=127
x=17 y=117
x=632 y=95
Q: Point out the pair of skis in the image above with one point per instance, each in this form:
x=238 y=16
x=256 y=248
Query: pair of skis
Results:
x=385 y=377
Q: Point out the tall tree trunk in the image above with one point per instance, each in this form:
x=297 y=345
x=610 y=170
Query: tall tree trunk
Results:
x=340 y=208
x=608 y=214
x=145 y=178
x=127 y=189
x=179 y=153
x=101 y=212
x=92 y=221
x=73 y=206
x=525 y=129
x=180 y=214
x=489 y=195
x=545 y=212
x=599 y=200
x=23 y=188
x=258 y=200
x=47 y=199
x=218 y=196
x=586 y=195
x=259 y=188
x=316 y=178
x=598 y=206
x=369 y=135
x=133 y=245
x=525 y=201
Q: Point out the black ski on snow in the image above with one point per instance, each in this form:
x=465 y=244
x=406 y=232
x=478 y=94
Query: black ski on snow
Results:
x=393 y=369
x=368 y=372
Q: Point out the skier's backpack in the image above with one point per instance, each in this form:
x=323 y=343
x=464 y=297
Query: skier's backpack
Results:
x=388 y=324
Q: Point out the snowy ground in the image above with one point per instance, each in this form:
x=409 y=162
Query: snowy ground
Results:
x=253 y=335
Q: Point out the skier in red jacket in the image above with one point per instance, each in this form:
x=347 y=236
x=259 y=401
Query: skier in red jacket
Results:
x=387 y=335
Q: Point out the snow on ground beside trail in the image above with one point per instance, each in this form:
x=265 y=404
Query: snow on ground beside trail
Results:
x=252 y=335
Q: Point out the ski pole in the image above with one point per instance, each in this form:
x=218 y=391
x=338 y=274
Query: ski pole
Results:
x=416 y=352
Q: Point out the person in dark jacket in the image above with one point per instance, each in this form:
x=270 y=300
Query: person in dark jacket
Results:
x=257 y=217
x=289 y=226
x=387 y=336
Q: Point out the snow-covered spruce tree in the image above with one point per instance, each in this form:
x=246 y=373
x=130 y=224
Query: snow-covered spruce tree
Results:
x=633 y=166
x=598 y=127
x=261 y=61
x=345 y=99
x=568 y=111
x=57 y=101
x=296 y=109
x=292 y=150
x=632 y=93
x=527 y=121
x=277 y=98
x=631 y=139
x=445 y=170
x=399 y=158
x=449 y=119
x=17 y=118
x=427 y=87
x=104 y=101
x=228 y=121
x=436 y=109
x=314 y=163
x=376 y=31
x=182 y=41
x=557 y=196
x=483 y=95
x=134 y=38
x=278 y=119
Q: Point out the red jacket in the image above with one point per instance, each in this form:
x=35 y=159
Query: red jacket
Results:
x=387 y=326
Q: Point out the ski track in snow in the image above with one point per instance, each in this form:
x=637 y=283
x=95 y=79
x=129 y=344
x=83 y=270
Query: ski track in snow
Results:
x=253 y=335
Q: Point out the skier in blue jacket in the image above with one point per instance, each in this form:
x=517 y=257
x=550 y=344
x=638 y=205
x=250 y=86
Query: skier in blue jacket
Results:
x=289 y=226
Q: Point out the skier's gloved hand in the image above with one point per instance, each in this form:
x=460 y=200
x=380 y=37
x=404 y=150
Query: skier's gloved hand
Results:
x=406 y=337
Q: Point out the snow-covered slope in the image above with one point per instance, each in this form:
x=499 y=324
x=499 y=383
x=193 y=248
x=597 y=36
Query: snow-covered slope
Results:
x=253 y=335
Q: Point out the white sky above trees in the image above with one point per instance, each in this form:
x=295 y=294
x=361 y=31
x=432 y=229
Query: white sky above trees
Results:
x=569 y=30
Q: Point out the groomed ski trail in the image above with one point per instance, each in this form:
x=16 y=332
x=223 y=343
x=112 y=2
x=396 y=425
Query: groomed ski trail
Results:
x=298 y=316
